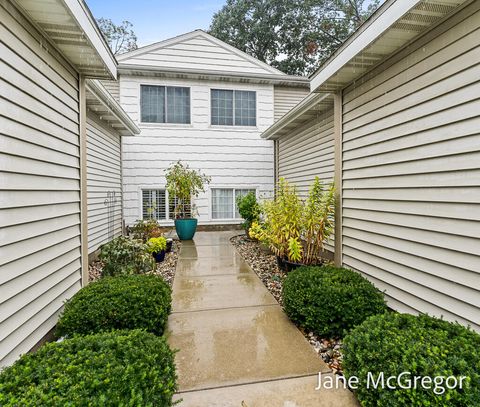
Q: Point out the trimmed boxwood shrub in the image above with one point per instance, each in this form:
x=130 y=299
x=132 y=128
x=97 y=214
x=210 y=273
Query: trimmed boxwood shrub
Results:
x=329 y=301
x=123 y=302
x=422 y=345
x=121 y=368
x=123 y=255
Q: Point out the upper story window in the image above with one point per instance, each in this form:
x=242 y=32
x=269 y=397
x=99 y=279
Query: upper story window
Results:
x=164 y=104
x=234 y=107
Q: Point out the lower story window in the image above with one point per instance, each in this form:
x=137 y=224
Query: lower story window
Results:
x=224 y=202
x=155 y=205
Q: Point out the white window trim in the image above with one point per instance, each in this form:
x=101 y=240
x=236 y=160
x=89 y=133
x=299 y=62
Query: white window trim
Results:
x=140 y=200
x=233 y=126
x=173 y=125
x=256 y=188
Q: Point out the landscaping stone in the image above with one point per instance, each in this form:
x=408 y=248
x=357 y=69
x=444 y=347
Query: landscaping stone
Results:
x=264 y=264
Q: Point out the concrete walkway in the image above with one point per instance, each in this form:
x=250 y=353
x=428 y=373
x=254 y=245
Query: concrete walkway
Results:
x=236 y=346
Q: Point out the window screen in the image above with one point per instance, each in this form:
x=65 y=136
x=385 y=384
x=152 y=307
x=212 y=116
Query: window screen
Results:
x=154 y=204
x=152 y=104
x=164 y=104
x=222 y=203
x=233 y=107
x=222 y=107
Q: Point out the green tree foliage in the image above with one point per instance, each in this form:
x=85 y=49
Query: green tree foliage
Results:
x=121 y=38
x=294 y=36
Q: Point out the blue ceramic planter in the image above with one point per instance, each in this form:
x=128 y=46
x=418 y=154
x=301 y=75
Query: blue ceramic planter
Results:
x=186 y=228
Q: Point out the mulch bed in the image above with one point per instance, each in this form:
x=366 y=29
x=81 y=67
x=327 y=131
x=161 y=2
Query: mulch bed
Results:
x=264 y=264
x=166 y=268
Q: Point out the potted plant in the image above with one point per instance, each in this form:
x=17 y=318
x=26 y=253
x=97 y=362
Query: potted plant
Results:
x=169 y=244
x=157 y=246
x=296 y=230
x=183 y=184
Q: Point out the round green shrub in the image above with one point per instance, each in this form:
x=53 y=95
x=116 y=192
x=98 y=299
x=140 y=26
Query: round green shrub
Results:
x=329 y=301
x=422 y=345
x=123 y=302
x=124 y=255
x=120 y=368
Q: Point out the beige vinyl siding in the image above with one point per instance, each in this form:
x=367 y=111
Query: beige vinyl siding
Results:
x=285 y=98
x=104 y=183
x=40 y=185
x=113 y=88
x=196 y=52
x=307 y=153
x=411 y=174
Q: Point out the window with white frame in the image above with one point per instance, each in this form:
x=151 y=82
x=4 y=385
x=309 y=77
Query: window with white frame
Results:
x=224 y=202
x=164 y=104
x=155 y=205
x=233 y=107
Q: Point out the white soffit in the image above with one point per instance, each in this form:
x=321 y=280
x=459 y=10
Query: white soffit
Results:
x=395 y=24
x=312 y=106
x=102 y=103
x=72 y=28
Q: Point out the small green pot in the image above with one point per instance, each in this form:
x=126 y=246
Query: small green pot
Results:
x=186 y=228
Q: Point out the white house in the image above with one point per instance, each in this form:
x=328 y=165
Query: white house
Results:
x=59 y=139
x=394 y=118
x=204 y=102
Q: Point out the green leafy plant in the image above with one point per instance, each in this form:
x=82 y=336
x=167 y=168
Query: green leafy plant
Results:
x=123 y=302
x=317 y=220
x=330 y=301
x=120 y=368
x=156 y=244
x=123 y=255
x=184 y=183
x=249 y=209
x=145 y=229
x=295 y=229
x=283 y=217
x=394 y=343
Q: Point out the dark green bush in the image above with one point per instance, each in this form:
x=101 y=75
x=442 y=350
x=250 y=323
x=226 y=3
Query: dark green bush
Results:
x=124 y=302
x=424 y=346
x=123 y=255
x=249 y=209
x=122 y=368
x=328 y=300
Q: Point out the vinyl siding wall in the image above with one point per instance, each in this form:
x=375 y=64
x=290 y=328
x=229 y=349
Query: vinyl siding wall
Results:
x=411 y=174
x=196 y=52
x=233 y=156
x=113 y=88
x=40 y=185
x=306 y=153
x=286 y=98
x=104 y=183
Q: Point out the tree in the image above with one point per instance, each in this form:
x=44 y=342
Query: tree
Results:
x=294 y=36
x=120 y=38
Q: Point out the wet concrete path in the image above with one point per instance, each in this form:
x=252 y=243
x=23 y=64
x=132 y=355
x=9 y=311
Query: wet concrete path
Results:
x=236 y=345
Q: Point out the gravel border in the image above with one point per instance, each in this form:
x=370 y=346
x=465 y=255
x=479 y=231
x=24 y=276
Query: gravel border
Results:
x=166 y=268
x=264 y=264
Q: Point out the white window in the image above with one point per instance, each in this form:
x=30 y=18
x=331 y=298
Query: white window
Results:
x=155 y=205
x=233 y=107
x=164 y=104
x=224 y=202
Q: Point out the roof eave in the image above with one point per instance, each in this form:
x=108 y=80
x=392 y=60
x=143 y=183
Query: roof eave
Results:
x=335 y=73
x=121 y=120
x=298 y=113
x=88 y=51
x=284 y=80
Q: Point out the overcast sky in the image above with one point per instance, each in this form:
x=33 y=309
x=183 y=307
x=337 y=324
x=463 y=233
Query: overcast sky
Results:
x=156 y=20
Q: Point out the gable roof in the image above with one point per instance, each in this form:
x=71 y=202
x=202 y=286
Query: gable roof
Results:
x=201 y=53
